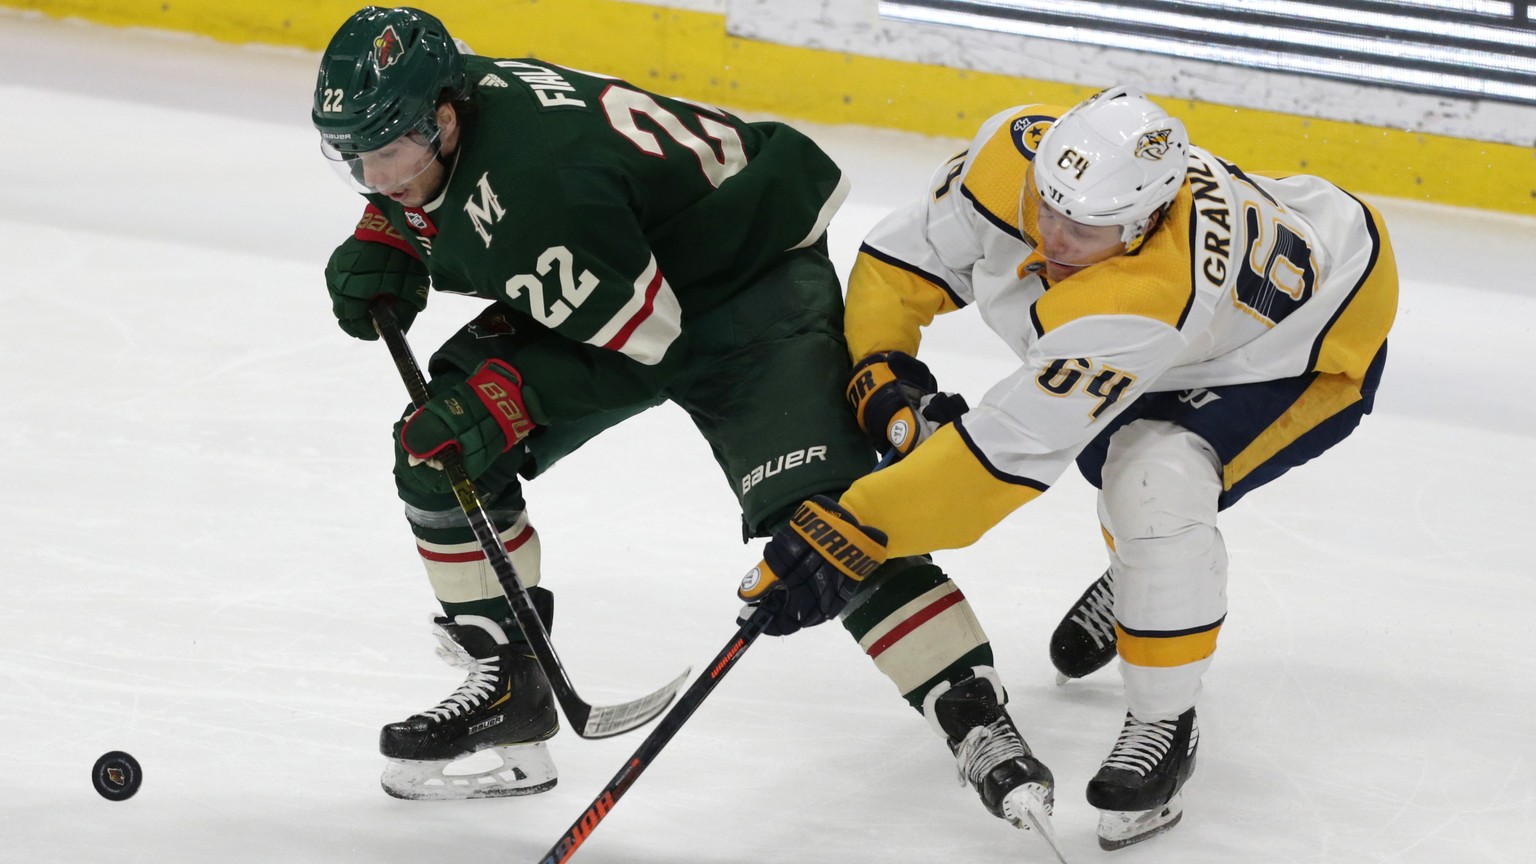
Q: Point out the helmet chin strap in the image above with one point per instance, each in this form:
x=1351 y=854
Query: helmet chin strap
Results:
x=445 y=158
x=1136 y=233
x=447 y=162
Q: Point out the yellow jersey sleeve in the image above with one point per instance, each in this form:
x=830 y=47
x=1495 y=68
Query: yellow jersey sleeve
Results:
x=942 y=496
x=889 y=303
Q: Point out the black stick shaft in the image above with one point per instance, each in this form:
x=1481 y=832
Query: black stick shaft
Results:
x=582 y=828
x=609 y=720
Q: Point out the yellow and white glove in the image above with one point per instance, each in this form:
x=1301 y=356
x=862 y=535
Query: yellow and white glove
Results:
x=898 y=403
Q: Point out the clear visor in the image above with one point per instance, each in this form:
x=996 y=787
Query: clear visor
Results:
x=1064 y=240
x=387 y=169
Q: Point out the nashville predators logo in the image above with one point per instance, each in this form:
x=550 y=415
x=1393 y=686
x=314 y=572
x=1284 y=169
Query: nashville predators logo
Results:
x=1154 y=145
x=386 y=49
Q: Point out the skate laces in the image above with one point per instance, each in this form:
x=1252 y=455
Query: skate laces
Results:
x=1095 y=612
x=449 y=650
x=1142 y=745
x=984 y=747
x=484 y=676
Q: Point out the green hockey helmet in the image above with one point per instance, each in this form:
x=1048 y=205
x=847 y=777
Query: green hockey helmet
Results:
x=381 y=78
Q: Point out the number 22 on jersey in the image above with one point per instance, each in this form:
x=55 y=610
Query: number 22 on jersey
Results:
x=622 y=107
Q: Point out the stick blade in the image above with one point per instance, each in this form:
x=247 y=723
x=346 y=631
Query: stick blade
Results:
x=605 y=721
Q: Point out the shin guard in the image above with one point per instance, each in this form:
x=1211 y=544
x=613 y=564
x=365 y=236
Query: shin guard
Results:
x=917 y=626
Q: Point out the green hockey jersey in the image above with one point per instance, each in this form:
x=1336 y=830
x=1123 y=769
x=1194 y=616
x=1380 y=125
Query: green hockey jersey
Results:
x=608 y=214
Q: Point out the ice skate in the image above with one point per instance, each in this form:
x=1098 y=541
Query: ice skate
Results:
x=500 y=716
x=990 y=754
x=1084 y=641
x=1138 y=789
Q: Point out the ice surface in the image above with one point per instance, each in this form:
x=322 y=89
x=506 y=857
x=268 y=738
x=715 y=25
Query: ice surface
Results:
x=204 y=563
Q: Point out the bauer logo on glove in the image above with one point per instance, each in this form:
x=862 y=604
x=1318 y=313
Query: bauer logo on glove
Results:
x=482 y=418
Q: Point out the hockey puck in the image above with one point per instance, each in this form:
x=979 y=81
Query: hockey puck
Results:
x=117 y=776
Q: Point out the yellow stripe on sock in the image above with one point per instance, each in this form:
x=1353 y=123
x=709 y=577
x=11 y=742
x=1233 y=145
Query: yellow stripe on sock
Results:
x=1166 y=650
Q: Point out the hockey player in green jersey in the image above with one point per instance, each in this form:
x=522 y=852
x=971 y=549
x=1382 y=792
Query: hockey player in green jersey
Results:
x=1185 y=331
x=635 y=249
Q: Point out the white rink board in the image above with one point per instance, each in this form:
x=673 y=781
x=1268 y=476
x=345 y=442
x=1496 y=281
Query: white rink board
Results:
x=855 y=27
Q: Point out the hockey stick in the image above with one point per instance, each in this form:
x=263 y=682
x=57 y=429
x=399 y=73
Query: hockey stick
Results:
x=590 y=721
x=649 y=748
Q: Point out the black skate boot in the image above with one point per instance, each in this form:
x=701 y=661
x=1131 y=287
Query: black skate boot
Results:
x=1084 y=641
x=504 y=707
x=1138 y=789
x=989 y=752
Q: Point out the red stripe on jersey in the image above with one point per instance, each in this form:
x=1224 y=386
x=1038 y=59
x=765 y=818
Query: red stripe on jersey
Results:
x=922 y=616
x=646 y=308
x=479 y=554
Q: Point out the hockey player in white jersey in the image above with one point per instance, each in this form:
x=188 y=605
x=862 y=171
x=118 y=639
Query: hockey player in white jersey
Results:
x=1185 y=331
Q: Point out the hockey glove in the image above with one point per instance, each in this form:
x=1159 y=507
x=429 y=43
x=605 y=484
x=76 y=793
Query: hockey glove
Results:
x=375 y=261
x=819 y=557
x=898 y=403
x=482 y=418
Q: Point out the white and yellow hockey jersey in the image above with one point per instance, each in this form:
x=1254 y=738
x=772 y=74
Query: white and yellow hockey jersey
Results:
x=1250 y=278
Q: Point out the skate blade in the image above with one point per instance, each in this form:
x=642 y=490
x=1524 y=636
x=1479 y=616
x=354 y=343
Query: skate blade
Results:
x=1029 y=809
x=1119 y=829
x=523 y=769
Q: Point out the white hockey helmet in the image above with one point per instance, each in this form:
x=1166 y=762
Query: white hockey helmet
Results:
x=1113 y=159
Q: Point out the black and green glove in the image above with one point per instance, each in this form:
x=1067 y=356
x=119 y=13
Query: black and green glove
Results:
x=360 y=270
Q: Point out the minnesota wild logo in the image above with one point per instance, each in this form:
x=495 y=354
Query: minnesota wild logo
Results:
x=491 y=325
x=386 y=49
